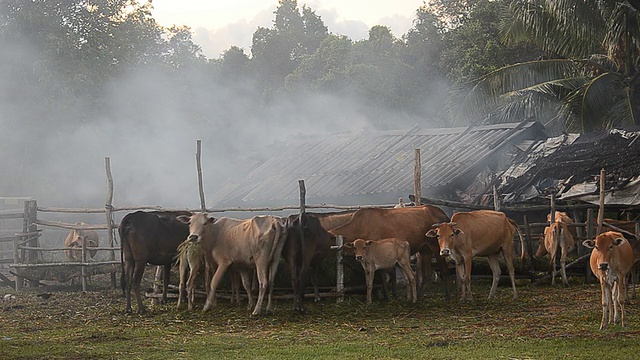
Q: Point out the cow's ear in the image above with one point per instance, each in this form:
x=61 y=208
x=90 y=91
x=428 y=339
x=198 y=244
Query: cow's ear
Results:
x=210 y=220
x=369 y=242
x=589 y=244
x=184 y=219
x=618 y=241
x=74 y=244
x=348 y=245
x=458 y=231
x=431 y=233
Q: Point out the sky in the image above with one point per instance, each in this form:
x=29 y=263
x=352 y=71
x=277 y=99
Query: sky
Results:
x=219 y=24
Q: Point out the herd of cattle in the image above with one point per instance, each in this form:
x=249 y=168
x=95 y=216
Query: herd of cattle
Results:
x=378 y=238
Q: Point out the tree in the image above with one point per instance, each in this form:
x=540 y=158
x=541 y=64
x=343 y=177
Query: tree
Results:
x=589 y=78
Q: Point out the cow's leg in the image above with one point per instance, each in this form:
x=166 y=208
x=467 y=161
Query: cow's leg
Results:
x=605 y=305
x=315 y=276
x=563 y=265
x=215 y=281
x=246 y=283
x=295 y=279
x=460 y=275
x=128 y=279
x=405 y=266
x=369 y=275
x=263 y=283
x=138 y=271
x=552 y=264
x=508 y=259
x=191 y=291
x=165 y=282
x=495 y=269
x=423 y=269
x=182 y=273
x=618 y=303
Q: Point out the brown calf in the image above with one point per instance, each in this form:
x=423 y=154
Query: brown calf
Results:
x=611 y=259
x=384 y=254
x=77 y=239
x=478 y=233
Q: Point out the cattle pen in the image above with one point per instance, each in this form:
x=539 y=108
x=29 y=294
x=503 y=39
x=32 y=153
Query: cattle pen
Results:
x=27 y=258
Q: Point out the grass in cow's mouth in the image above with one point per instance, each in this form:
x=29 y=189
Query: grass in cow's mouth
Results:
x=546 y=322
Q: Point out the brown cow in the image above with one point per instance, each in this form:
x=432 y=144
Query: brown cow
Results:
x=610 y=261
x=307 y=245
x=245 y=244
x=77 y=239
x=628 y=230
x=384 y=254
x=557 y=237
x=408 y=223
x=332 y=220
x=478 y=233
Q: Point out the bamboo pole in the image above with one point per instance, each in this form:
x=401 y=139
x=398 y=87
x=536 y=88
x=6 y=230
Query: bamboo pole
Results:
x=203 y=207
x=601 y=202
x=108 y=207
x=527 y=234
x=417 y=172
x=587 y=268
x=16 y=260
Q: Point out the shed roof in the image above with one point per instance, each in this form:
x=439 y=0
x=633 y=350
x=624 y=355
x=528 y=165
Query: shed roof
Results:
x=372 y=162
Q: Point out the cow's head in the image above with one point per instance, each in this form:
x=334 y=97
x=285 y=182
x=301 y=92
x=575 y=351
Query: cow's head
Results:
x=358 y=247
x=446 y=233
x=604 y=246
x=197 y=225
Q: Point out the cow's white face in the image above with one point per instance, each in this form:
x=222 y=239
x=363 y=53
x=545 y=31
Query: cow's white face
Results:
x=197 y=225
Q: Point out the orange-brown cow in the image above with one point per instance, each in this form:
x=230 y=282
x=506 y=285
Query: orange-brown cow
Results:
x=557 y=237
x=559 y=217
x=384 y=254
x=478 y=233
x=77 y=239
x=610 y=261
x=408 y=223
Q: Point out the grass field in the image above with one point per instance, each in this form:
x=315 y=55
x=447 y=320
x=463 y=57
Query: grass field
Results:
x=545 y=323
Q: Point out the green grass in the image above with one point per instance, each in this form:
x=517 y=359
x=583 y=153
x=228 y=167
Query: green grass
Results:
x=545 y=323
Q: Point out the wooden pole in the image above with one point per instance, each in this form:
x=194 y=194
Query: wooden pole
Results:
x=496 y=199
x=553 y=208
x=29 y=226
x=303 y=194
x=339 y=270
x=417 y=182
x=16 y=260
x=601 y=203
x=203 y=207
x=83 y=269
x=590 y=235
x=108 y=207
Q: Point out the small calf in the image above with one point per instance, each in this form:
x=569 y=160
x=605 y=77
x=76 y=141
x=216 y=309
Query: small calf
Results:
x=384 y=254
x=611 y=259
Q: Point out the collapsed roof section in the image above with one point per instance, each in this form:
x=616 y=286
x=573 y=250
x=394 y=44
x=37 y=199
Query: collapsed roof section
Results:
x=569 y=166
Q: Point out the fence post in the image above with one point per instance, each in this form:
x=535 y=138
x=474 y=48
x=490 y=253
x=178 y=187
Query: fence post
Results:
x=83 y=268
x=30 y=226
x=16 y=260
x=108 y=210
x=339 y=270
x=587 y=268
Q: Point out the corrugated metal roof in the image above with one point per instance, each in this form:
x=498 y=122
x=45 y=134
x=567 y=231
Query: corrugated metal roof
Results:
x=371 y=162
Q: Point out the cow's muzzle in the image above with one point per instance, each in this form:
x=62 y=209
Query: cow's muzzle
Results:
x=445 y=252
x=603 y=266
x=193 y=237
x=359 y=257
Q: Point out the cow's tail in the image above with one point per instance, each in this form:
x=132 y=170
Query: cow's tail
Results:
x=517 y=227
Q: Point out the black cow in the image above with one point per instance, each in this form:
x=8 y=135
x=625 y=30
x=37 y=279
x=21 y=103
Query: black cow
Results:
x=305 y=252
x=149 y=238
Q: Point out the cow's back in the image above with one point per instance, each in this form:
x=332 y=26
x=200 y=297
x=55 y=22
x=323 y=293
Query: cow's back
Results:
x=409 y=223
x=152 y=237
x=484 y=227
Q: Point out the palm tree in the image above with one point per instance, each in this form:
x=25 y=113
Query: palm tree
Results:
x=589 y=79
